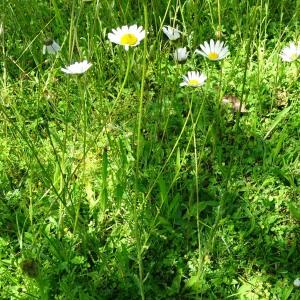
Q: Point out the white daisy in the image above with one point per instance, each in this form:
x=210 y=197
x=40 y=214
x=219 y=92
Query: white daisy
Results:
x=297 y=282
x=77 y=68
x=180 y=54
x=51 y=47
x=171 y=32
x=213 y=50
x=290 y=53
x=193 y=79
x=127 y=36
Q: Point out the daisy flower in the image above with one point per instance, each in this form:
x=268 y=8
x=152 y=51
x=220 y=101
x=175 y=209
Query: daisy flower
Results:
x=214 y=50
x=290 y=53
x=51 y=47
x=193 y=79
x=127 y=36
x=77 y=68
x=180 y=54
x=171 y=32
x=297 y=282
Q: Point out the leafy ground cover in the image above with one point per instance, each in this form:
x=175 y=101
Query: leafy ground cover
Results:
x=119 y=183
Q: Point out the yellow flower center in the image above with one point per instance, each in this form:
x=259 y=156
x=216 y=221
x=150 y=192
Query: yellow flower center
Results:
x=213 y=55
x=294 y=56
x=193 y=82
x=128 y=39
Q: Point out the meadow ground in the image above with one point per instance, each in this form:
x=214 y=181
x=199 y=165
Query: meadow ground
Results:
x=123 y=183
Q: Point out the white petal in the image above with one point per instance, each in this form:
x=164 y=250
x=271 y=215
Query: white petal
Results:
x=111 y=37
x=56 y=46
x=293 y=47
x=140 y=29
x=65 y=70
x=218 y=47
x=205 y=48
x=285 y=57
x=203 y=77
x=201 y=53
x=223 y=53
x=212 y=46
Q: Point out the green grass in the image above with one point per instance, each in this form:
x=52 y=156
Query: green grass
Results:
x=119 y=184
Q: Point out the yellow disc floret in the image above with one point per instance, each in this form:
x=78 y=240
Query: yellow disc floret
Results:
x=128 y=39
x=213 y=55
x=193 y=82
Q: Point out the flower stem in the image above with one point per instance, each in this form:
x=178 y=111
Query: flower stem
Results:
x=137 y=233
x=123 y=83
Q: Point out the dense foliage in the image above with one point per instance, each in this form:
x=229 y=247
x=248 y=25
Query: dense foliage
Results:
x=120 y=184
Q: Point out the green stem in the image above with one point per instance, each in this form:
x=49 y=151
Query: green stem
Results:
x=123 y=83
x=83 y=111
x=219 y=17
x=138 y=150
